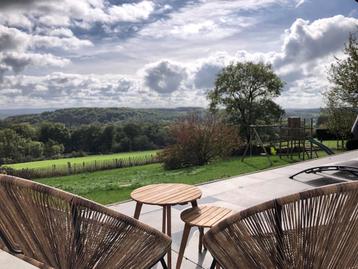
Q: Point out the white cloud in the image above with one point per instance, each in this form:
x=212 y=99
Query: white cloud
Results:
x=65 y=43
x=208 y=19
x=83 y=13
x=164 y=77
x=12 y=39
x=62 y=89
x=16 y=61
x=306 y=41
x=177 y=50
x=130 y=12
x=299 y=3
x=14 y=54
x=308 y=50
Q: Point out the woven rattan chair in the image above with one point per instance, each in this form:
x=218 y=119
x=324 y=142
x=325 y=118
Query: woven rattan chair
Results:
x=53 y=229
x=312 y=229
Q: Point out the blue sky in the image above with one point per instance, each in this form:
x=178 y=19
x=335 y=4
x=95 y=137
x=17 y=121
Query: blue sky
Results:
x=65 y=53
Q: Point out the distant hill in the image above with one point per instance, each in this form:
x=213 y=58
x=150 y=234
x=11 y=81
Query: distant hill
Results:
x=85 y=115
x=4 y=113
x=304 y=113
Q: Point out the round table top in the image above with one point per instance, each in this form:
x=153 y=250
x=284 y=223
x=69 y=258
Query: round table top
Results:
x=166 y=194
x=205 y=216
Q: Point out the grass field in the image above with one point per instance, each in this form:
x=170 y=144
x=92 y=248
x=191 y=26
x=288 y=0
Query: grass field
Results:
x=80 y=160
x=115 y=185
x=332 y=144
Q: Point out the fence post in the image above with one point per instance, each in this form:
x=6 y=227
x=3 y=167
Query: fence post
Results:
x=69 y=169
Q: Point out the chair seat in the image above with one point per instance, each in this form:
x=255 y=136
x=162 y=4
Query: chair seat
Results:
x=205 y=216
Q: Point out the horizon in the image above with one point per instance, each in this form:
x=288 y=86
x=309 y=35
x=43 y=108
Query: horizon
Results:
x=195 y=107
x=162 y=54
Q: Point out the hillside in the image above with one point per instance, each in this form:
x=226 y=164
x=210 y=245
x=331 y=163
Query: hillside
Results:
x=305 y=113
x=4 y=113
x=84 y=115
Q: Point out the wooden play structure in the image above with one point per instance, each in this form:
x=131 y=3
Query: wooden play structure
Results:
x=294 y=138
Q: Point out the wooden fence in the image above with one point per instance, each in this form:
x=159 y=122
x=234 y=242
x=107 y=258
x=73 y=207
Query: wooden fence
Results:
x=77 y=168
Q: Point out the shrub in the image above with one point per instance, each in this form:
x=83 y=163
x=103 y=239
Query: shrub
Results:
x=197 y=141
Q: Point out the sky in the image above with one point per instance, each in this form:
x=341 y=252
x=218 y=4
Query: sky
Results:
x=157 y=53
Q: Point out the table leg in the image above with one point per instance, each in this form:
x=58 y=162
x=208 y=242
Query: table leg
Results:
x=164 y=219
x=201 y=235
x=184 y=240
x=138 y=208
x=194 y=203
x=169 y=233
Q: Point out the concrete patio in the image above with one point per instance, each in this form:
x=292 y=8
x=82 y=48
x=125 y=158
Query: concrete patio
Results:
x=236 y=193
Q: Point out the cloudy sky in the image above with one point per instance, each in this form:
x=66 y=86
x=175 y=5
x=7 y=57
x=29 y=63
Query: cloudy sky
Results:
x=65 y=53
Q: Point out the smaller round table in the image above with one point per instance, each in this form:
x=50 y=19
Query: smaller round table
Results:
x=165 y=195
x=202 y=217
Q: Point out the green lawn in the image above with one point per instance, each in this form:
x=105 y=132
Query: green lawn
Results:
x=332 y=144
x=80 y=160
x=115 y=185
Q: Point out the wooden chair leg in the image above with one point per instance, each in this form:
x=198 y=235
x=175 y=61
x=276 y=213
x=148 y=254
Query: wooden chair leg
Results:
x=194 y=203
x=184 y=240
x=201 y=235
x=138 y=208
x=169 y=233
x=164 y=219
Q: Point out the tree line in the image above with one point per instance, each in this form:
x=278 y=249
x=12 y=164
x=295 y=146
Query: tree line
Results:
x=25 y=142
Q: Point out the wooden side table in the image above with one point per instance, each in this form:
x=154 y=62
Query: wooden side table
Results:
x=202 y=217
x=165 y=195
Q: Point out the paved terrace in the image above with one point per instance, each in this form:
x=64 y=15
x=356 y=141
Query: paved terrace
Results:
x=236 y=193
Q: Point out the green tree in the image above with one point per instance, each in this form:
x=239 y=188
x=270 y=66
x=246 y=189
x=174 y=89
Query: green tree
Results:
x=342 y=96
x=12 y=146
x=107 y=139
x=54 y=131
x=246 y=90
x=34 y=149
x=25 y=130
x=131 y=130
x=87 y=138
x=141 y=142
x=53 y=149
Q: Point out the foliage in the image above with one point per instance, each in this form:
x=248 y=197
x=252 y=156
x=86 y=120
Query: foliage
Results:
x=198 y=141
x=53 y=149
x=74 y=117
x=245 y=91
x=344 y=74
x=25 y=142
x=342 y=97
x=15 y=147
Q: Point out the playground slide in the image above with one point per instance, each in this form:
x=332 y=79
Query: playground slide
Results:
x=321 y=146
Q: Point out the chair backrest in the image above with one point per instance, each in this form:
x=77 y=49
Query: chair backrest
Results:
x=355 y=128
x=54 y=229
x=312 y=229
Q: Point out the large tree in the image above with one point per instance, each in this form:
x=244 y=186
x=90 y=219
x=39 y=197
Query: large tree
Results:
x=246 y=90
x=342 y=96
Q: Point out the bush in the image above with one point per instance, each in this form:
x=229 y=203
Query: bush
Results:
x=198 y=141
